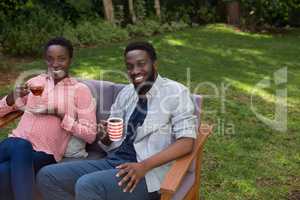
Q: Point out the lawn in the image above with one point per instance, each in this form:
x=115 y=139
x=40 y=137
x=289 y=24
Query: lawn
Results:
x=245 y=158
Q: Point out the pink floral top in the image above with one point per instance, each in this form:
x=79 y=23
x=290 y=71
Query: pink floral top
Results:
x=47 y=132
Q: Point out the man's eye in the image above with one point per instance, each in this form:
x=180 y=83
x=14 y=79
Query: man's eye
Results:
x=49 y=60
x=129 y=67
x=141 y=64
x=61 y=59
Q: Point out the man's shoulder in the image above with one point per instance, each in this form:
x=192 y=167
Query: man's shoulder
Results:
x=172 y=85
x=125 y=93
x=128 y=88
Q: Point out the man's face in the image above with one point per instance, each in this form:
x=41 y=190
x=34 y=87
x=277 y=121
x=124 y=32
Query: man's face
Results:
x=140 y=67
x=58 y=61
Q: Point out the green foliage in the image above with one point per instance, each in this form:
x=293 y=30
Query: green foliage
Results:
x=144 y=28
x=180 y=13
x=207 y=14
x=151 y=27
x=27 y=32
x=140 y=9
x=92 y=32
x=272 y=12
x=119 y=15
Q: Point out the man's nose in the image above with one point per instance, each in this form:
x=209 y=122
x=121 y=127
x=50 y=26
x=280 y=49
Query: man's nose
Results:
x=135 y=70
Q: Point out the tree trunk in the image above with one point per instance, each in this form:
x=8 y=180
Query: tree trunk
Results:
x=233 y=13
x=131 y=11
x=157 y=8
x=109 y=10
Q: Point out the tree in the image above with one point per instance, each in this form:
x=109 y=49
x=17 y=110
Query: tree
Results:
x=131 y=11
x=233 y=12
x=157 y=8
x=109 y=10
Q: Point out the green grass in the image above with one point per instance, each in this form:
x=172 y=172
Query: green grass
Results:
x=245 y=158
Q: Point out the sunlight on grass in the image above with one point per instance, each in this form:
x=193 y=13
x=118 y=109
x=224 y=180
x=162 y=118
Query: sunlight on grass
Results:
x=174 y=42
x=229 y=29
x=270 y=98
x=245 y=186
x=87 y=72
x=250 y=51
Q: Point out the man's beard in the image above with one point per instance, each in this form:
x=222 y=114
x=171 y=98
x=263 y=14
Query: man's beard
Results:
x=147 y=85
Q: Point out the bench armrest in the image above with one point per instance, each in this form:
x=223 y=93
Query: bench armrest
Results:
x=178 y=170
x=9 y=118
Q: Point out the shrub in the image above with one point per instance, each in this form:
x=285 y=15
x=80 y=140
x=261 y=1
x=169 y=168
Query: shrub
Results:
x=143 y=28
x=26 y=35
x=271 y=12
x=92 y=32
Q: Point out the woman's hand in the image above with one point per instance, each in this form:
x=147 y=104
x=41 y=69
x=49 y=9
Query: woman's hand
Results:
x=102 y=134
x=19 y=92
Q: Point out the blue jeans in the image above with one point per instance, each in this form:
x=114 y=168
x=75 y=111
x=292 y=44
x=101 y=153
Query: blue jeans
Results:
x=86 y=180
x=18 y=165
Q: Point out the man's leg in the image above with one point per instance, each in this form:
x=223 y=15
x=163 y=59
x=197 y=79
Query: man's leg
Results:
x=103 y=185
x=57 y=182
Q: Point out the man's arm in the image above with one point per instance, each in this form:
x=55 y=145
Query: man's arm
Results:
x=84 y=125
x=136 y=171
x=117 y=110
x=183 y=128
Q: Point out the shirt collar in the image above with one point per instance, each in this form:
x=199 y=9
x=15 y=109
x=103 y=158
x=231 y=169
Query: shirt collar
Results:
x=154 y=89
x=65 y=81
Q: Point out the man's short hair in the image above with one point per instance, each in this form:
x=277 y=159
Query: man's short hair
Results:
x=61 y=41
x=141 y=45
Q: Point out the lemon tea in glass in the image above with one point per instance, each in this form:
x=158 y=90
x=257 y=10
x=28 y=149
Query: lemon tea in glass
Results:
x=37 y=90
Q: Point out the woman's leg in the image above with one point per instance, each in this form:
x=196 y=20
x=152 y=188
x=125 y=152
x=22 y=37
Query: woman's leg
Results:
x=19 y=153
x=18 y=162
x=5 y=183
x=41 y=159
x=21 y=169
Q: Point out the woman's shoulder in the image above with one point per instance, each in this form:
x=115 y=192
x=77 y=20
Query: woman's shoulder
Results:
x=38 y=78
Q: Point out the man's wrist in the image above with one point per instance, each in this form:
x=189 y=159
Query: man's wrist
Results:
x=146 y=166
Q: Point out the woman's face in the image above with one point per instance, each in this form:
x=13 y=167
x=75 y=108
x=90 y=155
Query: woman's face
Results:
x=58 y=61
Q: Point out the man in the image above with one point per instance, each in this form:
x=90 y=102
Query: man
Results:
x=159 y=127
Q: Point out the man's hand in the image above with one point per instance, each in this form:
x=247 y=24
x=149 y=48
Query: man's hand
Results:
x=132 y=173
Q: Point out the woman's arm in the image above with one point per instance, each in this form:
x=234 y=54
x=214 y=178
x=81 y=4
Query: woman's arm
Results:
x=84 y=125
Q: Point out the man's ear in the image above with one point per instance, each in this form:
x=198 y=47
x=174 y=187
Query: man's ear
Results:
x=155 y=65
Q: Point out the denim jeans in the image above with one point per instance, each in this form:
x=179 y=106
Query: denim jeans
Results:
x=87 y=180
x=18 y=165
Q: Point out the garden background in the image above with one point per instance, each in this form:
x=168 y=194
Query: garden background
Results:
x=222 y=49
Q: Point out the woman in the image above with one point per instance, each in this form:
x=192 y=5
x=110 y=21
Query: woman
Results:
x=42 y=135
